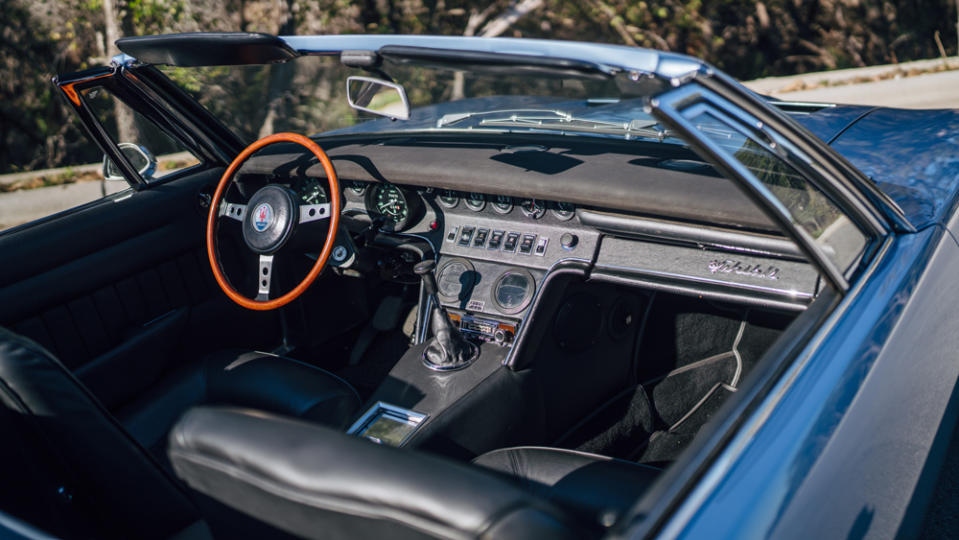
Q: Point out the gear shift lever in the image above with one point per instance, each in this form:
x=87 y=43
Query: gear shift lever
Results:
x=448 y=350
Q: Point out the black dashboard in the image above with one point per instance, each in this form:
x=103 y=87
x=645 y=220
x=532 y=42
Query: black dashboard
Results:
x=495 y=252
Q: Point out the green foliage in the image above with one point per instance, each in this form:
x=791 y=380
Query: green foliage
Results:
x=746 y=38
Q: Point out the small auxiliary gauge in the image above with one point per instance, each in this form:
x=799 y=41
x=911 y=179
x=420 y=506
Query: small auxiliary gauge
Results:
x=563 y=211
x=448 y=198
x=532 y=208
x=503 y=204
x=475 y=201
x=358 y=188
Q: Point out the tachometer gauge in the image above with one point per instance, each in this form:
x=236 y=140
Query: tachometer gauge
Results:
x=563 y=211
x=448 y=198
x=503 y=204
x=389 y=201
x=310 y=190
x=533 y=208
x=475 y=201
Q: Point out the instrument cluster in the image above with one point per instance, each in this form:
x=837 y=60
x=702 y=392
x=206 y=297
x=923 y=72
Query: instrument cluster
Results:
x=400 y=208
x=504 y=204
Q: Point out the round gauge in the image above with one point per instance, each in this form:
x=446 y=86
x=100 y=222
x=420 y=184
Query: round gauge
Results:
x=448 y=198
x=563 y=211
x=475 y=201
x=455 y=280
x=533 y=208
x=310 y=190
x=358 y=188
x=503 y=204
x=389 y=201
x=513 y=290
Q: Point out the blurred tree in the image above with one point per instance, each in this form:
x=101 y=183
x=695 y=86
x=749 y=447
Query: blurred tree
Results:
x=747 y=38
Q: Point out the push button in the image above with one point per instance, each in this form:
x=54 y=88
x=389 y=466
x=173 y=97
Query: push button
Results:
x=496 y=239
x=466 y=235
x=510 y=243
x=451 y=235
x=480 y=239
x=526 y=246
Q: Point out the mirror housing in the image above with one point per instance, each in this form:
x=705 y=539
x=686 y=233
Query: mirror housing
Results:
x=142 y=160
x=379 y=97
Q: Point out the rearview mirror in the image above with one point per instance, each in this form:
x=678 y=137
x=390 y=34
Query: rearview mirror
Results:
x=376 y=96
x=141 y=159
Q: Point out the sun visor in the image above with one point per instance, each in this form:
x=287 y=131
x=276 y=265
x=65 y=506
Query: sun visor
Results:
x=208 y=49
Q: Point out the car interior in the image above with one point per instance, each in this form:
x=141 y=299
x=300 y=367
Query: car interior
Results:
x=511 y=337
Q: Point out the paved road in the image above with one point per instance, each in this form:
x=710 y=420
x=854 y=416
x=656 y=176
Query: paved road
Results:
x=931 y=91
x=19 y=207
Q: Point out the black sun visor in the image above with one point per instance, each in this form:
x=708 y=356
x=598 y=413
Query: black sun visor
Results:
x=208 y=49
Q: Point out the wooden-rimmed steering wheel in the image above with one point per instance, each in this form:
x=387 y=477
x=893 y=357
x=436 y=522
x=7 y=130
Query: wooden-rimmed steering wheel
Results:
x=269 y=219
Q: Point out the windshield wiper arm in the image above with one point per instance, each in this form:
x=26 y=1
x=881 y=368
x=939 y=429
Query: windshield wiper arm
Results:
x=547 y=119
x=453 y=118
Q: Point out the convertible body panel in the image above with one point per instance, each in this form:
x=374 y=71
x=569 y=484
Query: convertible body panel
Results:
x=847 y=409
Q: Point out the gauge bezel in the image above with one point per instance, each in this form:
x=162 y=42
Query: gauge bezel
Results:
x=470 y=269
x=469 y=204
x=526 y=300
x=558 y=214
x=535 y=214
x=390 y=223
x=451 y=193
x=499 y=210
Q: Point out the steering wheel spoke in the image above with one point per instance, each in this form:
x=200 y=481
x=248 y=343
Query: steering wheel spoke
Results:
x=232 y=210
x=263 y=275
x=314 y=212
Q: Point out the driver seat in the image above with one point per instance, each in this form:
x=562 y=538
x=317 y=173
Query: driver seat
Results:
x=107 y=472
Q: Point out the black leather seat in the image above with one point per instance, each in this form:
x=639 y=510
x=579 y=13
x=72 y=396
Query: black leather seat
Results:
x=598 y=489
x=317 y=483
x=314 y=482
x=98 y=460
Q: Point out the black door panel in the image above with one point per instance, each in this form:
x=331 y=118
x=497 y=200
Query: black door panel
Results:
x=122 y=291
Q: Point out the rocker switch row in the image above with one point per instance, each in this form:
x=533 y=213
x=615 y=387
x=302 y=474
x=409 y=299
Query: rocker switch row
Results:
x=510 y=242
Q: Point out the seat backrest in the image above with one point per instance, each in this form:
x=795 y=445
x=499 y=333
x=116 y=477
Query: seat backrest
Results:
x=95 y=465
x=314 y=482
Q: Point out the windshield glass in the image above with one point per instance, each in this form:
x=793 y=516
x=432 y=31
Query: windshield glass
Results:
x=308 y=95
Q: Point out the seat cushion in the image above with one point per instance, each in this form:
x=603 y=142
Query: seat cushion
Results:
x=599 y=489
x=245 y=379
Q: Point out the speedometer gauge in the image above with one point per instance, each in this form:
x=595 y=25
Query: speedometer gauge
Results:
x=388 y=201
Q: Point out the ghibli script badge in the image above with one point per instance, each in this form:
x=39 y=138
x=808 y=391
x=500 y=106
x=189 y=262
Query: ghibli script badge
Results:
x=732 y=266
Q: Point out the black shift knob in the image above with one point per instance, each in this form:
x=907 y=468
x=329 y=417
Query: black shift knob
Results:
x=425 y=266
x=424 y=269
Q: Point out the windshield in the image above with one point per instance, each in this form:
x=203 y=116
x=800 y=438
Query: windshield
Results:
x=308 y=95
